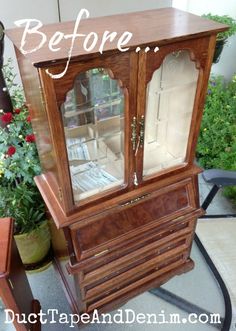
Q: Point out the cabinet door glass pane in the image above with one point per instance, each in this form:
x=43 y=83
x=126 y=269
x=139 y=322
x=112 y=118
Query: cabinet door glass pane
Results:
x=93 y=117
x=169 y=107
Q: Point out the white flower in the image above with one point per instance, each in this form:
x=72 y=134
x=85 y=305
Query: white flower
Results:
x=1 y=110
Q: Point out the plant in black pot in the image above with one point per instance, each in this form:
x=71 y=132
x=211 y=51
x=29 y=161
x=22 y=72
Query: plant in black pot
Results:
x=19 y=163
x=222 y=37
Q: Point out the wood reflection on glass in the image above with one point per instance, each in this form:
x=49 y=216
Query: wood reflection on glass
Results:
x=93 y=117
x=169 y=107
x=2 y=306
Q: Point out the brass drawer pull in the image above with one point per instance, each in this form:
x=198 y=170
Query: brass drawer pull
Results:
x=135 y=200
x=101 y=253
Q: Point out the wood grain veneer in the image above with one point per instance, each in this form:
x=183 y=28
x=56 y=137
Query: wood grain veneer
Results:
x=125 y=240
x=151 y=27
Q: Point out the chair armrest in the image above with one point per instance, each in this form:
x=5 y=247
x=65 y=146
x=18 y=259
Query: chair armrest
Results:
x=220 y=177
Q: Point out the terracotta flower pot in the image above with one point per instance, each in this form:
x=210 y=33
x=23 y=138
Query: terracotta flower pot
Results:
x=34 y=246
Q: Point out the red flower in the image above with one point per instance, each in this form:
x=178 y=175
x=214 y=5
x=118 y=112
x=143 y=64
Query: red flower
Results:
x=17 y=110
x=6 y=118
x=28 y=119
x=30 y=138
x=11 y=150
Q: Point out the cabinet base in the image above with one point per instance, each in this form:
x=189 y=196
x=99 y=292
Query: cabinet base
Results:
x=78 y=306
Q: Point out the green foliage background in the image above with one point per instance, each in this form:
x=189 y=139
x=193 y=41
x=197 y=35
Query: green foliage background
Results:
x=19 y=196
x=217 y=141
x=224 y=19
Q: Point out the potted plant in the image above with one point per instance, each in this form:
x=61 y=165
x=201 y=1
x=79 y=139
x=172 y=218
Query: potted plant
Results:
x=19 y=163
x=222 y=37
x=32 y=236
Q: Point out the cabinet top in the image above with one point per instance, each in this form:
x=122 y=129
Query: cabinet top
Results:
x=149 y=28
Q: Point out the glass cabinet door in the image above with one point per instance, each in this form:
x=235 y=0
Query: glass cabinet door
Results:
x=169 y=106
x=93 y=118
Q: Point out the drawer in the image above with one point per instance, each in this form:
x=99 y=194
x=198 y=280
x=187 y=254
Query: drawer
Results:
x=152 y=278
x=130 y=268
x=159 y=233
x=143 y=248
x=106 y=232
x=163 y=247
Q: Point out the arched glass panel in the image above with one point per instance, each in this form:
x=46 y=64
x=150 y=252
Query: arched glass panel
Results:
x=169 y=107
x=93 y=117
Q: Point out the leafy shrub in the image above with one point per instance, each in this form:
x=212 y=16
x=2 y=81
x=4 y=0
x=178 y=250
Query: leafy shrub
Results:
x=19 y=163
x=19 y=160
x=24 y=204
x=15 y=90
x=224 y=19
x=217 y=140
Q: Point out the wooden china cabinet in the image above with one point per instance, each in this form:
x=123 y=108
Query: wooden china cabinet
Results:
x=116 y=137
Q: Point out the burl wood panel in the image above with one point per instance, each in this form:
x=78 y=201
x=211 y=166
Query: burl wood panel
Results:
x=115 y=250
x=120 y=223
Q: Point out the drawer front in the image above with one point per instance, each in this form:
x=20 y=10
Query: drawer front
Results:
x=152 y=278
x=170 y=246
x=131 y=219
x=162 y=251
x=134 y=268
